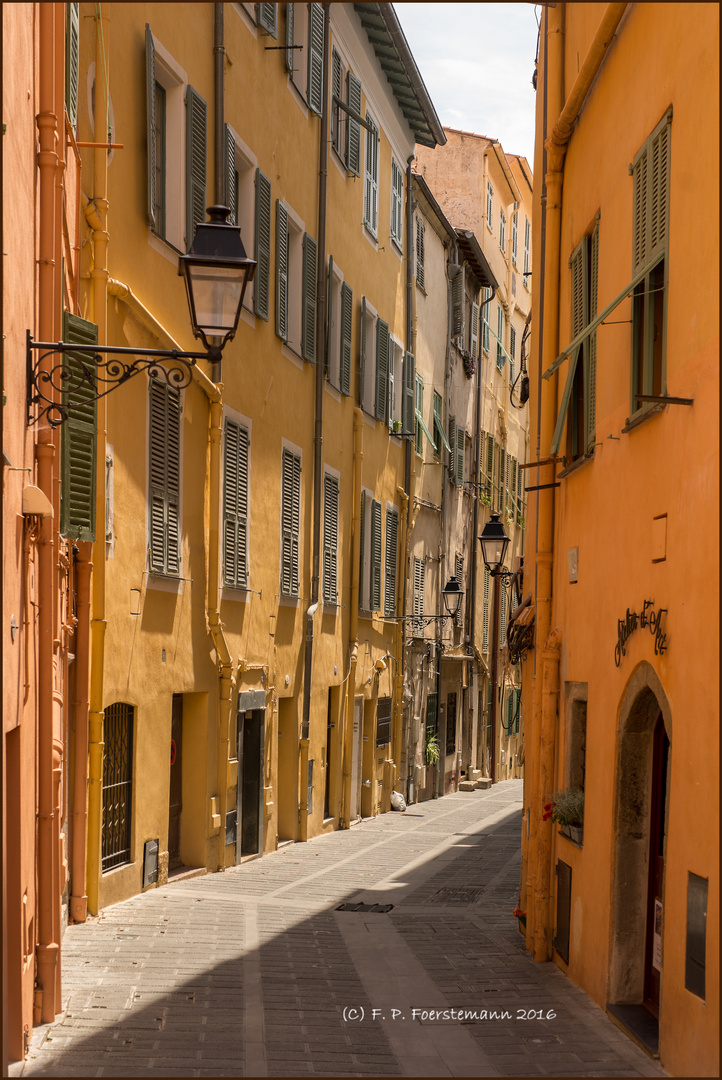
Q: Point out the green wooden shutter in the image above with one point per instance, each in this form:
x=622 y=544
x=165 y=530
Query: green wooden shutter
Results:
x=336 y=79
x=578 y=264
x=420 y=252
x=353 y=128
x=315 y=58
x=459 y=575
x=452 y=451
x=489 y=478
x=501 y=481
x=474 y=335
x=640 y=227
x=409 y=391
x=509 y=710
x=235 y=505
x=392 y=532
x=459 y=462
x=195 y=162
x=281 y=271
x=362 y=554
x=150 y=124
x=457 y=302
x=591 y=385
x=517 y=709
x=419 y=585
x=267 y=18
x=231 y=176
x=362 y=357
x=262 y=246
x=438 y=425
x=502 y=619
x=330 y=539
x=308 y=299
x=79 y=435
x=382 y=369
x=371 y=180
x=289 y=38
x=330 y=322
x=659 y=155
x=164 y=477
x=72 y=56
x=485 y=609
x=375 y=555
x=290 y=523
x=346 y=320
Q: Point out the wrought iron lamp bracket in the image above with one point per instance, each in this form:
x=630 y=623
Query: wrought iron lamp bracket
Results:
x=86 y=380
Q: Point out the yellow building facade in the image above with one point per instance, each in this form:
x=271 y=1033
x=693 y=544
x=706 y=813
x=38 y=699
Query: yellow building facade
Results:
x=624 y=380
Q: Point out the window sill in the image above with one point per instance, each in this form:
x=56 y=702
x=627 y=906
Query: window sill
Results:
x=290 y=353
x=397 y=247
x=165 y=583
x=574 y=466
x=164 y=247
x=640 y=417
x=371 y=236
x=238 y=595
x=420 y=287
x=298 y=96
x=288 y=601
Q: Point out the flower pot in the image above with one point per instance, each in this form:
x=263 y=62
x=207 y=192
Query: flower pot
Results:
x=576 y=834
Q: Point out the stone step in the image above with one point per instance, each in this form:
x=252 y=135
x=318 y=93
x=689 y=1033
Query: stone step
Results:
x=484 y=782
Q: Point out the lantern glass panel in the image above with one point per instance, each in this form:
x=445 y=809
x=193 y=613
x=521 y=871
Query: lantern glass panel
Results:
x=217 y=293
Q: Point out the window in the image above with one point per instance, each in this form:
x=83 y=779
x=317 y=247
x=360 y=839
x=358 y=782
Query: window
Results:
x=337 y=114
x=458 y=306
x=502 y=617
x=290 y=523
x=451 y=724
x=164 y=480
x=330 y=539
x=396 y=383
x=262 y=246
x=420 y=253
x=340 y=312
x=417 y=625
x=235 y=505
x=407 y=421
x=373 y=363
x=488 y=468
x=438 y=423
x=499 y=337
x=485 y=619
x=512 y=352
x=295 y=284
x=419 y=415
x=383 y=726
x=305 y=27
x=117 y=784
x=370 y=568
x=489 y=205
x=457 y=449
x=79 y=438
x=248 y=196
x=432 y=718
x=390 y=560
x=371 y=185
x=514 y=236
x=500 y=479
x=527 y=250
x=486 y=327
x=502 y=231
x=459 y=575
x=474 y=331
x=650 y=235
x=72 y=55
x=397 y=205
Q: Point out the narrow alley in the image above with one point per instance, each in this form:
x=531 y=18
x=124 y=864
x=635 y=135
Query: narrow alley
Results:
x=258 y=971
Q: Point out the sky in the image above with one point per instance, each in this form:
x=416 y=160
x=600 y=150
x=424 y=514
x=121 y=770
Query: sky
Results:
x=477 y=62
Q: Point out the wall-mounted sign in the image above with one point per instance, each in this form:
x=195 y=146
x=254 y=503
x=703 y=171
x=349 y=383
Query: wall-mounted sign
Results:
x=649 y=618
x=172 y=751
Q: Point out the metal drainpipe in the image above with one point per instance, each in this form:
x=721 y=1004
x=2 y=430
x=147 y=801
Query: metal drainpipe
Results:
x=358 y=454
x=320 y=374
x=219 y=56
x=78 y=819
x=408 y=457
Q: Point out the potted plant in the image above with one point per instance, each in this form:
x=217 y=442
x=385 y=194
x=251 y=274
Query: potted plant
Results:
x=567 y=810
x=469 y=363
x=397 y=425
x=432 y=749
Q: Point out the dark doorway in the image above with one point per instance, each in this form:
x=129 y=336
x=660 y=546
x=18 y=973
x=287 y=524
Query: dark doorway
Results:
x=176 y=784
x=249 y=798
x=327 y=758
x=655 y=908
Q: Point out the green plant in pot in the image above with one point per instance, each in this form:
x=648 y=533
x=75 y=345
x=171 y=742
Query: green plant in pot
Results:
x=567 y=810
x=432 y=749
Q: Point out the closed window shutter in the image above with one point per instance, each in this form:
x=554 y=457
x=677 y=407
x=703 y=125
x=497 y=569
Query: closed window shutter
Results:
x=409 y=391
x=452 y=451
x=419 y=584
x=281 y=271
x=330 y=539
x=290 y=523
x=509 y=710
x=397 y=199
x=164 y=477
x=362 y=555
x=517 y=710
x=346 y=320
x=501 y=481
x=392 y=532
x=640 y=239
x=485 y=320
x=580 y=317
x=507 y=481
x=438 y=424
x=79 y=435
x=420 y=252
x=336 y=78
x=231 y=176
x=527 y=242
x=235 y=506
x=474 y=337
x=499 y=336
x=195 y=162
x=512 y=489
x=382 y=369
x=72 y=55
x=150 y=124
x=502 y=619
x=375 y=555
x=457 y=300
x=514 y=236
x=591 y=387
x=308 y=299
x=289 y=38
x=262 y=246
x=460 y=452
x=512 y=343
x=362 y=356
x=459 y=575
x=371 y=185
x=315 y=58
x=485 y=619
x=658 y=200
x=489 y=482
x=267 y=17
x=353 y=128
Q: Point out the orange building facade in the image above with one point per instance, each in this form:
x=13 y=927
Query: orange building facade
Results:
x=623 y=520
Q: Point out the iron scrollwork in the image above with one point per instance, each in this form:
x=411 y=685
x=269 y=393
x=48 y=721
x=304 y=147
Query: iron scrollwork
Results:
x=85 y=374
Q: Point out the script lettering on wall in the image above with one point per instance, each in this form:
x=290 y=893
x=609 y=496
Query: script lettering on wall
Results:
x=648 y=618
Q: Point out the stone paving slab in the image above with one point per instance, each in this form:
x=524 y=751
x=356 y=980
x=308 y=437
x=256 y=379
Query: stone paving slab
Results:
x=254 y=972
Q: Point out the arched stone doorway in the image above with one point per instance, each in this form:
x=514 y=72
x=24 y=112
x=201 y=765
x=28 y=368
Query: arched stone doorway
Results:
x=642 y=784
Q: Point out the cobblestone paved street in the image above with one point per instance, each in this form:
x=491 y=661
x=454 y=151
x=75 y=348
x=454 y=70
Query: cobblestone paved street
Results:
x=255 y=972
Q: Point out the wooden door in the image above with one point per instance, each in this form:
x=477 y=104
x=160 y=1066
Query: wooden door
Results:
x=655 y=896
x=176 y=784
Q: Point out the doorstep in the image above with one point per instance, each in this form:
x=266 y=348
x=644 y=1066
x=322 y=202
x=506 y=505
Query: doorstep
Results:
x=182 y=873
x=638 y=1024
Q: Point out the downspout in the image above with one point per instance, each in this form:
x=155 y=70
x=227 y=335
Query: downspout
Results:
x=358 y=454
x=408 y=463
x=546 y=691
x=79 y=814
x=98 y=623
x=399 y=647
x=48 y=945
x=320 y=374
x=219 y=59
